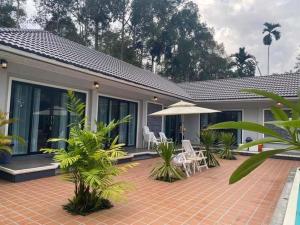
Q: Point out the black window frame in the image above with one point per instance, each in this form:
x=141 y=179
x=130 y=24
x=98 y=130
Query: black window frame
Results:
x=36 y=85
x=110 y=99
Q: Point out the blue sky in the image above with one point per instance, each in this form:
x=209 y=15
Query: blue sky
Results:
x=239 y=23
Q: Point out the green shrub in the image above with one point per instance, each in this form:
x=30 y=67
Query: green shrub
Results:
x=166 y=171
x=208 y=139
x=89 y=164
x=227 y=140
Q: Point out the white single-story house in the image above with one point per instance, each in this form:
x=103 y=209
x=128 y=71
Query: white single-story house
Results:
x=37 y=68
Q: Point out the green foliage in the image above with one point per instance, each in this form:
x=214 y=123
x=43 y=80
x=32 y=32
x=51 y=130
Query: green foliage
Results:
x=208 y=139
x=11 y=13
x=243 y=64
x=227 y=140
x=56 y=16
x=89 y=164
x=166 y=171
x=271 y=30
x=290 y=125
x=167 y=33
x=6 y=140
x=251 y=164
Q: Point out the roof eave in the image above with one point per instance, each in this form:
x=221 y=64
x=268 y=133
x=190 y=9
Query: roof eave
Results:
x=61 y=63
x=241 y=99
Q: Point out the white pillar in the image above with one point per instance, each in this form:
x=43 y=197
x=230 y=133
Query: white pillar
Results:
x=93 y=108
x=3 y=89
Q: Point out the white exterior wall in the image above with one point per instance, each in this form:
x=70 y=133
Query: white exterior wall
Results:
x=3 y=89
x=49 y=75
x=34 y=71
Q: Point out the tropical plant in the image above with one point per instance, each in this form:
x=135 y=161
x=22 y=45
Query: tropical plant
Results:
x=5 y=140
x=227 y=140
x=243 y=63
x=89 y=164
x=208 y=139
x=166 y=171
x=271 y=30
x=290 y=139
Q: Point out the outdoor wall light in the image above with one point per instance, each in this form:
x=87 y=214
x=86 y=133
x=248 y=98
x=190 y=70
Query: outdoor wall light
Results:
x=3 y=63
x=155 y=98
x=96 y=85
x=279 y=104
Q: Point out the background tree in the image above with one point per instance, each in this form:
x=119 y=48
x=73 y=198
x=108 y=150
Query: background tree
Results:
x=11 y=13
x=54 y=16
x=271 y=30
x=297 y=66
x=243 y=64
x=100 y=13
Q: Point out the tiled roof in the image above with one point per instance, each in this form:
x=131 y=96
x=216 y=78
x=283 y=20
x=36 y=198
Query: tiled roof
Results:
x=48 y=45
x=51 y=46
x=286 y=85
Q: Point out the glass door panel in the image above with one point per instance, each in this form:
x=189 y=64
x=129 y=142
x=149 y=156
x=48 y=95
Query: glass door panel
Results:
x=114 y=109
x=20 y=109
x=42 y=111
x=132 y=125
x=213 y=118
x=123 y=127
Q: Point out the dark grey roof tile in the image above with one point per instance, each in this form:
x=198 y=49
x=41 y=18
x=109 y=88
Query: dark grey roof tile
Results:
x=286 y=85
x=54 y=47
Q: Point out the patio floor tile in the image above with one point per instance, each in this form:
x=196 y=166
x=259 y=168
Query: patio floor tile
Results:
x=205 y=198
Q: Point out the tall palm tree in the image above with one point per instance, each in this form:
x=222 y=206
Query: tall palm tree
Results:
x=244 y=63
x=271 y=30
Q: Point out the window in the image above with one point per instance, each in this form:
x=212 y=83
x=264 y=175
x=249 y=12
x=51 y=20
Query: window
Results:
x=154 y=122
x=268 y=116
x=42 y=113
x=172 y=128
x=114 y=109
x=213 y=118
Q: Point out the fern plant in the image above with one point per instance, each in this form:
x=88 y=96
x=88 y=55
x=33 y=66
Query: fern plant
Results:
x=166 y=171
x=89 y=164
x=208 y=139
x=227 y=140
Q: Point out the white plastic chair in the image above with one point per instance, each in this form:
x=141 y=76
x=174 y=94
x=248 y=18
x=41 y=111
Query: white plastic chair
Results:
x=196 y=156
x=180 y=160
x=164 y=139
x=146 y=136
x=153 y=141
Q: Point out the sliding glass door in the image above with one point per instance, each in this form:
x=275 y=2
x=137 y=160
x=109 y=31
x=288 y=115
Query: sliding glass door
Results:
x=213 y=118
x=114 y=109
x=41 y=113
x=172 y=128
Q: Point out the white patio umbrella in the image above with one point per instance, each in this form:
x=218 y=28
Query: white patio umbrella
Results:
x=183 y=108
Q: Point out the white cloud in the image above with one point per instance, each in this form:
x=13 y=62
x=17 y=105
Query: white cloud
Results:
x=239 y=23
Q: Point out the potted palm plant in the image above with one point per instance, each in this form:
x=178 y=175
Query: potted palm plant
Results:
x=227 y=140
x=208 y=138
x=89 y=162
x=166 y=171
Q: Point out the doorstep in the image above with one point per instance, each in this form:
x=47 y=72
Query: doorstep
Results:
x=30 y=167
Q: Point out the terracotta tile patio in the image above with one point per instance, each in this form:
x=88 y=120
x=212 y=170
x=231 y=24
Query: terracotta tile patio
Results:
x=206 y=198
